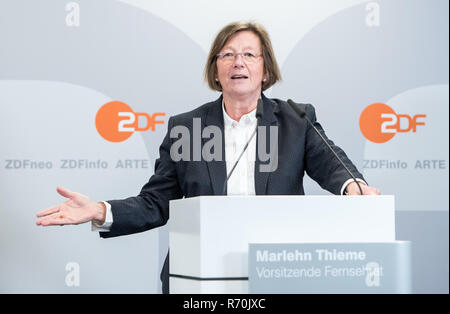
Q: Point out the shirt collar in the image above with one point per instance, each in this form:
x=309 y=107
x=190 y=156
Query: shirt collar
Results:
x=246 y=118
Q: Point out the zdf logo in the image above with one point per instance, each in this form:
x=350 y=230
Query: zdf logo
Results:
x=379 y=123
x=115 y=121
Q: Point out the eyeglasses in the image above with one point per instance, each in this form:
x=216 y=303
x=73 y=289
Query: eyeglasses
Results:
x=229 y=57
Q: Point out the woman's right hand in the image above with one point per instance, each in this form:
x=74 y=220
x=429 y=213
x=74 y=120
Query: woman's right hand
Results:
x=76 y=210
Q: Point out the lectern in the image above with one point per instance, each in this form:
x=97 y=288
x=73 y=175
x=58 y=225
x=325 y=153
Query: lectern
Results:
x=210 y=235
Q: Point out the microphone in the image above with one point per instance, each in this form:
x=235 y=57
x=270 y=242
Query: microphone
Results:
x=259 y=114
x=302 y=114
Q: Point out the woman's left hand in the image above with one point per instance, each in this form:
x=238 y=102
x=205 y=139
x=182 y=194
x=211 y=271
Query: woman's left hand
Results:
x=352 y=189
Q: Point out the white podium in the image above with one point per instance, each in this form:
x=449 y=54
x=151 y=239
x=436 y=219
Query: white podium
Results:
x=209 y=235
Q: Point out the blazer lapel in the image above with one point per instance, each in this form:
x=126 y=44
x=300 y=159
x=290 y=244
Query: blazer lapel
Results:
x=217 y=169
x=268 y=119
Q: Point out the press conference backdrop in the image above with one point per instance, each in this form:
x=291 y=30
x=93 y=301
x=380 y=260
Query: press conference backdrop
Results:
x=67 y=66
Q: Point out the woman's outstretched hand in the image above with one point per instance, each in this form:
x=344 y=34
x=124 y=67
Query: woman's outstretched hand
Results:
x=76 y=210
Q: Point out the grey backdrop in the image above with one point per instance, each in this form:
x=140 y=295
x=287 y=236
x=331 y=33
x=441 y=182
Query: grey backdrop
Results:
x=54 y=78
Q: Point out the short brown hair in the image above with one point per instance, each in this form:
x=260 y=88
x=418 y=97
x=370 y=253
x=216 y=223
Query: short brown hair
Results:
x=270 y=63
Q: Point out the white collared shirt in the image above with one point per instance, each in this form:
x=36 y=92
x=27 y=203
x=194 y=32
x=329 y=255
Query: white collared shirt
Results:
x=242 y=181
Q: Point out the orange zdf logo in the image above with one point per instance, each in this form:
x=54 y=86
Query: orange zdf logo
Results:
x=115 y=121
x=379 y=123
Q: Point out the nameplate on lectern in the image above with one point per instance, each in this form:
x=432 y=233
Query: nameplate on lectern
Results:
x=330 y=268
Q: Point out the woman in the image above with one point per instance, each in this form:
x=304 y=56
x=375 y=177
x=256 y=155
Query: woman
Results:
x=241 y=64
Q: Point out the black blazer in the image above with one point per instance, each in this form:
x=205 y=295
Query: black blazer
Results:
x=300 y=150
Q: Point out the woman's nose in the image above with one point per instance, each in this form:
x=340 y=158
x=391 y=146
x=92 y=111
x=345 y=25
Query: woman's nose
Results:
x=238 y=60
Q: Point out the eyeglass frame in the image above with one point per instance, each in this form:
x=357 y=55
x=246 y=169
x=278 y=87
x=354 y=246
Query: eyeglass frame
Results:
x=221 y=55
